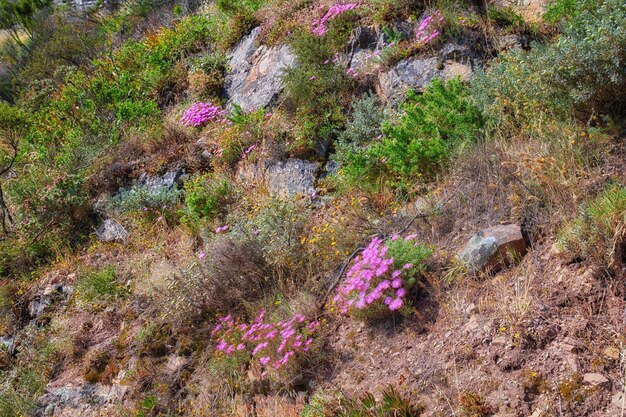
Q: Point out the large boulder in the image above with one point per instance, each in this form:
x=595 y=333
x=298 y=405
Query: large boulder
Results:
x=492 y=248
x=417 y=73
x=111 y=231
x=255 y=79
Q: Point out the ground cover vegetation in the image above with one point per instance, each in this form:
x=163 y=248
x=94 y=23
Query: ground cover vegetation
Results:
x=225 y=291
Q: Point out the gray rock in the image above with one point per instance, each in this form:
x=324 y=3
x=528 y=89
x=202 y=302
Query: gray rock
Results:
x=417 y=73
x=85 y=400
x=111 y=231
x=158 y=183
x=48 y=296
x=291 y=177
x=454 y=51
x=491 y=248
x=8 y=344
x=255 y=78
x=510 y=42
x=595 y=379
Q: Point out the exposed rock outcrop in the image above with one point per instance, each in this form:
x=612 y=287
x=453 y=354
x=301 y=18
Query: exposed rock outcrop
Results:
x=284 y=179
x=84 y=401
x=255 y=79
x=416 y=73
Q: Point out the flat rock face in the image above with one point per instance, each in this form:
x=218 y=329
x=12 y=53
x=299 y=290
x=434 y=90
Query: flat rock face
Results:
x=284 y=179
x=291 y=177
x=111 y=231
x=255 y=79
x=491 y=248
x=417 y=73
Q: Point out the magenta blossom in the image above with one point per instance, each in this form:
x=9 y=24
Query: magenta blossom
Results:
x=200 y=114
x=320 y=26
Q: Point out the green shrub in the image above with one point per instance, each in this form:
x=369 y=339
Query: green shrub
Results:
x=97 y=287
x=506 y=17
x=599 y=231
x=566 y=9
x=364 y=126
x=430 y=129
x=318 y=90
x=141 y=197
x=392 y=403
x=206 y=196
x=583 y=69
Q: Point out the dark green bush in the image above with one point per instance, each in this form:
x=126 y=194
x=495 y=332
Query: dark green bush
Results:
x=206 y=196
x=431 y=128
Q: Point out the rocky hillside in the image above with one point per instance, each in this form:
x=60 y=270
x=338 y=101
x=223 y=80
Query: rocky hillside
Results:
x=308 y=208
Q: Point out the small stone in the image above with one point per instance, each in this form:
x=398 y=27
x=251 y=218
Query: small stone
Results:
x=619 y=400
x=595 y=379
x=111 y=231
x=499 y=340
x=612 y=352
x=492 y=248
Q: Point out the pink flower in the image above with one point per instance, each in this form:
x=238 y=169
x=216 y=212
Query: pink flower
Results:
x=395 y=304
x=264 y=360
x=319 y=26
x=201 y=113
x=397 y=283
x=401 y=293
x=313 y=78
x=202 y=255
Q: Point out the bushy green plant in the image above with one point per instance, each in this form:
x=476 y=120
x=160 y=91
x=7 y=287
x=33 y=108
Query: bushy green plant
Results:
x=584 y=67
x=599 y=231
x=97 y=287
x=206 y=196
x=431 y=128
x=392 y=403
x=364 y=126
x=566 y=9
x=318 y=89
x=141 y=197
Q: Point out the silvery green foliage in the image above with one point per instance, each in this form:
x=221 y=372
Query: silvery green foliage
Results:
x=364 y=126
x=141 y=197
x=585 y=64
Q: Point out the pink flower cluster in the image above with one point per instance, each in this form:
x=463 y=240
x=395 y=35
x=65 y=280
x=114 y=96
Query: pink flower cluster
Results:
x=373 y=280
x=427 y=30
x=222 y=229
x=274 y=344
x=201 y=113
x=319 y=26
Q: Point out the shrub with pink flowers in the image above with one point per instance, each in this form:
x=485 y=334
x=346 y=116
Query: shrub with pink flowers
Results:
x=200 y=114
x=379 y=281
x=428 y=29
x=320 y=25
x=272 y=346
